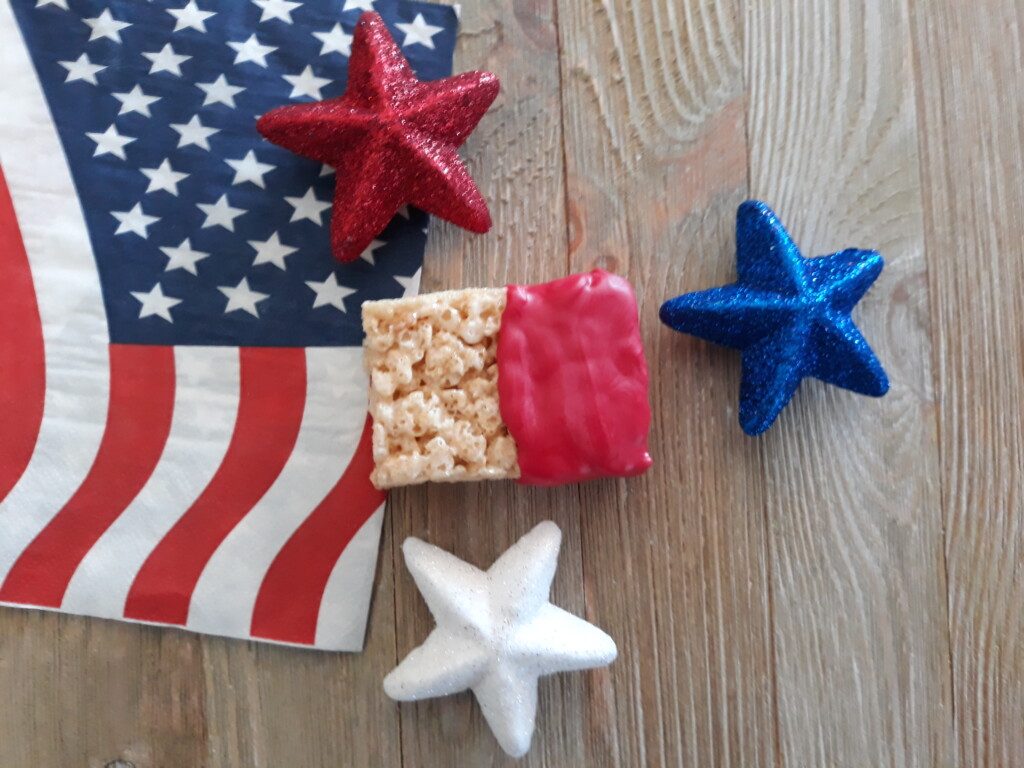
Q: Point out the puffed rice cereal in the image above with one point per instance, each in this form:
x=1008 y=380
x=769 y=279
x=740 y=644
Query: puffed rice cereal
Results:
x=434 y=388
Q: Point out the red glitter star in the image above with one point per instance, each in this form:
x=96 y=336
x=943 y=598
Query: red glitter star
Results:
x=392 y=139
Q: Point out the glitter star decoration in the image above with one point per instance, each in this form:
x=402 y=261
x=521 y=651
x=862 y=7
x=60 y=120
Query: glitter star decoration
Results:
x=392 y=139
x=788 y=314
x=497 y=633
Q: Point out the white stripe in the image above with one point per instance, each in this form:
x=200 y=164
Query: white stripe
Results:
x=206 y=398
x=341 y=625
x=70 y=302
x=332 y=423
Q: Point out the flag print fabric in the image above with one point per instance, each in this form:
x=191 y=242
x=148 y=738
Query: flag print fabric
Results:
x=183 y=428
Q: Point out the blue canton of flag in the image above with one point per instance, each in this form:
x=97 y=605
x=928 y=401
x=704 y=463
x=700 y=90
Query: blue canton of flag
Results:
x=203 y=232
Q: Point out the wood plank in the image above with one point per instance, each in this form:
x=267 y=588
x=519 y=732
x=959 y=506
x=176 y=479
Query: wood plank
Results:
x=88 y=692
x=970 y=81
x=269 y=706
x=516 y=157
x=85 y=692
x=675 y=562
x=858 y=584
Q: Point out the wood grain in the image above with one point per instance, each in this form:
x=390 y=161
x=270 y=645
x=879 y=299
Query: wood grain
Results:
x=84 y=692
x=970 y=72
x=858 y=583
x=516 y=157
x=272 y=706
x=656 y=163
x=844 y=591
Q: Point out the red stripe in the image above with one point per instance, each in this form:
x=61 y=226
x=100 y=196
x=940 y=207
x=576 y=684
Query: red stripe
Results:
x=22 y=366
x=288 y=603
x=138 y=421
x=272 y=399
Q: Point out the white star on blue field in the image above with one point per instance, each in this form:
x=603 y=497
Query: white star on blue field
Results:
x=204 y=233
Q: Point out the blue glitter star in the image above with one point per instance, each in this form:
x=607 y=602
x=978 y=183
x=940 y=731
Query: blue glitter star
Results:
x=789 y=315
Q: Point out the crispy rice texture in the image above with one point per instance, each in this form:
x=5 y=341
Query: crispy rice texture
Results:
x=434 y=388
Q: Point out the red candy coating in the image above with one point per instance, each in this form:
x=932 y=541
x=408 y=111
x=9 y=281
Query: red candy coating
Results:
x=392 y=140
x=572 y=379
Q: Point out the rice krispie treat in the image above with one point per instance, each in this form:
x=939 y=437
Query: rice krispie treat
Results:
x=545 y=383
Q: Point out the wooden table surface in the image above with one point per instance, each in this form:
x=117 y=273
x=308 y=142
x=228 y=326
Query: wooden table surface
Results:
x=847 y=590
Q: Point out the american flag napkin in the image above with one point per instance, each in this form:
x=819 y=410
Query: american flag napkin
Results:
x=183 y=428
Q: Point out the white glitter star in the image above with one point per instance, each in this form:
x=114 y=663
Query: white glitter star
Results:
x=242 y=297
x=81 y=69
x=329 y=293
x=163 y=177
x=271 y=251
x=252 y=50
x=155 y=303
x=497 y=633
x=306 y=84
x=194 y=132
x=105 y=26
x=220 y=214
x=166 y=60
x=362 y=5
x=135 y=100
x=307 y=207
x=277 y=9
x=250 y=169
x=189 y=16
x=183 y=257
x=134 y=221
x=110 y=142
x=336 y=40
x=220 y=91
x=419 y=32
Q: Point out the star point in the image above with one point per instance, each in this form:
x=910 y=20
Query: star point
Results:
x=329 y=293
x=135 y=100
x=367 y=255
x=220 y=91
x=190 y=16
x=336 y=40
x=241 y=298
x=110 y=142
x=271 y=251
x=496 y=633
x=276 y=9
x=163 y=177
x=419 y=32
x=308 y=207
x=249 y=169
x=788 y=315
x=166 y=60
x=358 y=5
x=194 y=132
x=183 y=257
x=410 y=285
x=58 y=3
x=220 y=214
x=306 y=84
x=105 y=26
x=390 y=149
x=82 y=69
x=155 y=303
x=134 y=221
x=252 y=50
